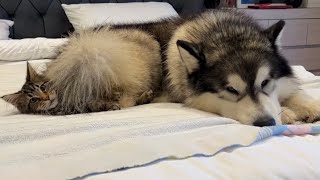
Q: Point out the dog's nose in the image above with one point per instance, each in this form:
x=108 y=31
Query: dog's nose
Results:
x=265 y=121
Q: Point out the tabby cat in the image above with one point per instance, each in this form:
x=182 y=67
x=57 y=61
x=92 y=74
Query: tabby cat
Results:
x=36 y=97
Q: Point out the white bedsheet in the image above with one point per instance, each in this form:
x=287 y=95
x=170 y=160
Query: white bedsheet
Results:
x=46 y=147
x=292 y=158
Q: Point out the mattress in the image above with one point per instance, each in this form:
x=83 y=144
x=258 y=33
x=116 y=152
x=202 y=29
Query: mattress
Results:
x=154 y=141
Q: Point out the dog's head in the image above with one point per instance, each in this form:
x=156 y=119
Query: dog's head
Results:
x=241 y=77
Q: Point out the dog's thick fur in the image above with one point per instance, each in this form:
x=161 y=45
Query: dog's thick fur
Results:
x=222 y=62
x=96 y=65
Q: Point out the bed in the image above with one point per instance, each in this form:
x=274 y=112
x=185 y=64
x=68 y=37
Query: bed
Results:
x=153 y=141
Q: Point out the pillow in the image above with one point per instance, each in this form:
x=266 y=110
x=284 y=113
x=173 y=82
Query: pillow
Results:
x=31 y=48
x=4 y=28
x=84 y=16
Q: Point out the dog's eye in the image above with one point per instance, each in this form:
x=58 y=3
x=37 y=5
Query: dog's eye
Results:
x=264 y=83
x=232 y=90
x=33 y=100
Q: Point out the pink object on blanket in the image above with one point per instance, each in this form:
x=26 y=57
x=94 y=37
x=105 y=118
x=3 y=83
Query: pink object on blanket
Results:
x=297 y=130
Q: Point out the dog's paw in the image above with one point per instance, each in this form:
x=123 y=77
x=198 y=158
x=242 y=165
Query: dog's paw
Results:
x=288 y=116
x=309 y=112
x=305 y=107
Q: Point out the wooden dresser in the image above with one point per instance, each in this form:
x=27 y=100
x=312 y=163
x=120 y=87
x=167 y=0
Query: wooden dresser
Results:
x=300 y=39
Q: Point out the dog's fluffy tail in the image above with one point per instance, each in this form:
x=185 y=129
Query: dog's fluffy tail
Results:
x=82 y=72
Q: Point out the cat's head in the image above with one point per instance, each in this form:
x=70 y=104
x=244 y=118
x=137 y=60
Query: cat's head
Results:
x=34 y=96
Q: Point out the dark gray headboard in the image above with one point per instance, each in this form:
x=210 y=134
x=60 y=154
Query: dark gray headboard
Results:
x=46 y=18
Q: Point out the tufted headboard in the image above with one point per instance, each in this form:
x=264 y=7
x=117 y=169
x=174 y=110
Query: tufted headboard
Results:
x=46 y=18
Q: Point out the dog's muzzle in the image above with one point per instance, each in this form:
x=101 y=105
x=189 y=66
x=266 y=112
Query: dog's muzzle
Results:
x=265 y=121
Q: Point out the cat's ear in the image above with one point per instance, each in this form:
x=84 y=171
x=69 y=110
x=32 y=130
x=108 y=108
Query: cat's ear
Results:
x=12 y=98
x=31 y=73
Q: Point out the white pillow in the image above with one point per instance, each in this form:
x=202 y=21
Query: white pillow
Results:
x=4 y=28
x=31 y=48
x=83 y=16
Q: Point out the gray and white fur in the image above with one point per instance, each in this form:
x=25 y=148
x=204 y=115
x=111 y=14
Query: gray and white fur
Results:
x=221 y=61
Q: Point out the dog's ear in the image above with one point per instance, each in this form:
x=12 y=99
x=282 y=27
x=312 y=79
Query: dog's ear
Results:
x=274 y=31
x=191 y=54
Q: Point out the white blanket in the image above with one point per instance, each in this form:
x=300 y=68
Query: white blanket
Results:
x=291 y=158
x=64 y=147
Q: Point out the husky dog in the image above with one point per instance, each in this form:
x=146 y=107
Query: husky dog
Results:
x=96 y=71
x=222 y=62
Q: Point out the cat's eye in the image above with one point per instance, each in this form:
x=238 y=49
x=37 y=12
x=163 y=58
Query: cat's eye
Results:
x=34 y=100
x=43 y=87
x=265 y=83
x=232 y=90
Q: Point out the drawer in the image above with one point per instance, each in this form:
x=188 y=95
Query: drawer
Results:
x=307 y=57
x=313 y=32
x=295 y=13
x=294 y=33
